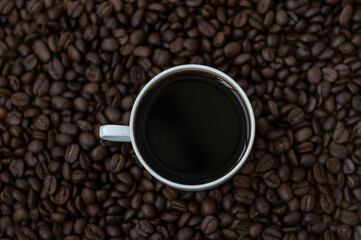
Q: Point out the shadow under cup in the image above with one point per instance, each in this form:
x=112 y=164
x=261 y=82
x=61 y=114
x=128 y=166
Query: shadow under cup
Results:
x=192 y=127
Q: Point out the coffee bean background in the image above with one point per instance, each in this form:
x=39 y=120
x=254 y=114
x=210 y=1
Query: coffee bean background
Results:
x=66 y=67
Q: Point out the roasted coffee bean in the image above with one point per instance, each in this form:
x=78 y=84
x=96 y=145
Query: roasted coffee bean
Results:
x=41 y=51
x=148 y=211
x=206 y=28
x=42 y=122
x=307 y=202
x=185 y=233
x=170 y=217
x=244 y=196
x=349 y=218
x=20 y=99
x=93 y=73
x=270 y=233
x=72 y=153
x=265 y=163
x=232 y=49
x=93 y=231
x=55 y=69
x=344 y=232
x=300 y=188
x=113 y=114
x=346 y=14
x=57 y=88
x=255 y=230
x=161 y=57
x=303 y=134
x=319 y=173
x=26 y=233
x=60 y=103
x=45 y=232
x=178 y=206
x=86 y=140
x=50 y=185
x=327 y=204
x=13 y=118
x=262 y=206
x=314 y=75
x=291 y=218
x=333 y=165
x=35 y=146
x=209 y=224
x=285 y=192
x=271 y=180
x=62 y=196
x=329 y=74
x=68 y=128
x=241 y=181
x=17 y=168
x=144 y=228
x=208 y=206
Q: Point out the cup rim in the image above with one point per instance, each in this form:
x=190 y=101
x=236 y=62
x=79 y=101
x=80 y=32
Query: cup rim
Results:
x=248 y=106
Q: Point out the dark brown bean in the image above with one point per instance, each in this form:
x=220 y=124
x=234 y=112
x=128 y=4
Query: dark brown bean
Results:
x=41 y=51
x=209 y=224
x=307 y=202
x=327 y=203
x=285 y=192
x=72 y=153
x=50 y=185
x=346 y=14
x=20 y=99
x=206 y=29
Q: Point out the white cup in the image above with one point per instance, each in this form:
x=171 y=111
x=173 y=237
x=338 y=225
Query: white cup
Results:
x=120 y=133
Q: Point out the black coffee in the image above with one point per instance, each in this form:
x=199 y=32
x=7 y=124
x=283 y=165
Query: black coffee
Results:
x=192 y=127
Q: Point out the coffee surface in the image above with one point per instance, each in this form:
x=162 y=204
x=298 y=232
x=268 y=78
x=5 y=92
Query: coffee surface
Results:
x=192 y=127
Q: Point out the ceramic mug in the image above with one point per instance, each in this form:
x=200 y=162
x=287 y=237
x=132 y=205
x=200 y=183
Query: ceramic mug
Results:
x=121 y=133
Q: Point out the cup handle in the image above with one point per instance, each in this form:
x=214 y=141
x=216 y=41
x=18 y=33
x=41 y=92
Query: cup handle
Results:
x=116 y=133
